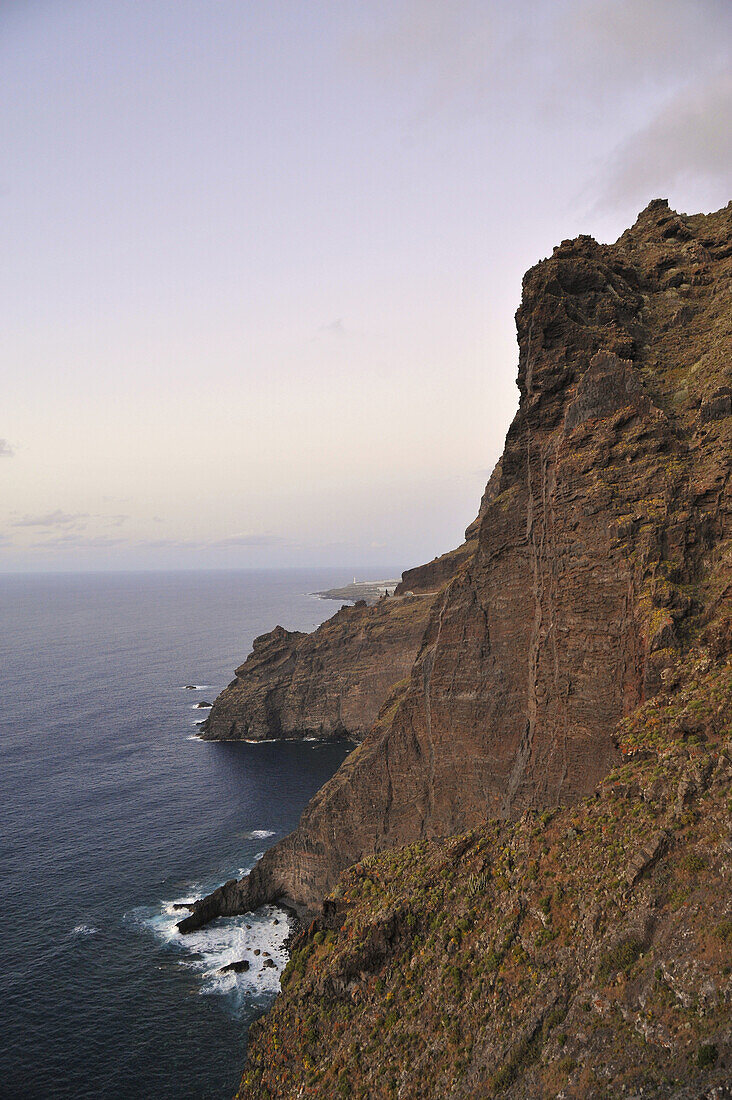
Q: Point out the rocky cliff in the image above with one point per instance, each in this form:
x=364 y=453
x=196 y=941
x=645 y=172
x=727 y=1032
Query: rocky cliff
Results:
x=331 y=683
x=577 y=953
x=600 y=555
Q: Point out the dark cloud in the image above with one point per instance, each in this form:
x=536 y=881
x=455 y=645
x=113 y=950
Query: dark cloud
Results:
x=6 y=451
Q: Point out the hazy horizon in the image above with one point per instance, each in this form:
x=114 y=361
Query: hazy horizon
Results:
x=262 y=261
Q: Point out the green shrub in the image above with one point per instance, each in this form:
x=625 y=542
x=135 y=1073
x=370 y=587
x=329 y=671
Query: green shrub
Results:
x=724 y=931
x=620 y=957
x=694 y=863
x=706 y=1055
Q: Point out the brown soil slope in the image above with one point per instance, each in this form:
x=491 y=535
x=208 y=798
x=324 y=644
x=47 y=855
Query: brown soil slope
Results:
x=593 y=567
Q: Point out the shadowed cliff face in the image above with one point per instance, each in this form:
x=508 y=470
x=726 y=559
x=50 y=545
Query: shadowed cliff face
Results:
x=599 y=554
x=330 y=683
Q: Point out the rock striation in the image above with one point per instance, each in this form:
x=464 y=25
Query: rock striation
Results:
x=600 y=553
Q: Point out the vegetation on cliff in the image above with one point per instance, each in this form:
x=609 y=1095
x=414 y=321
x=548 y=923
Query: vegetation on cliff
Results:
x=581 y=951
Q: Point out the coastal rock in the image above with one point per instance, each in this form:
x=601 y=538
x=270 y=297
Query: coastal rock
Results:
x=599 y=551
x=239 y=967
x=328 y=684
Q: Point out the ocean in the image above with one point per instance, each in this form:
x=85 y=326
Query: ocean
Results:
x=111 y=811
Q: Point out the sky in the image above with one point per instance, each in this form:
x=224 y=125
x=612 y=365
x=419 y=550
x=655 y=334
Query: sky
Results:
x=261 y=259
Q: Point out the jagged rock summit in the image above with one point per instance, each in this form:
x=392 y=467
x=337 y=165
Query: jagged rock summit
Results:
x=601 y=553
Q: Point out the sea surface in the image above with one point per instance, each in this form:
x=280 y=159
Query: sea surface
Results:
x=111 y=811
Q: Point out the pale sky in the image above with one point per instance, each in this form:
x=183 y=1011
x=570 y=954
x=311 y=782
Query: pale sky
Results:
x=260 y=259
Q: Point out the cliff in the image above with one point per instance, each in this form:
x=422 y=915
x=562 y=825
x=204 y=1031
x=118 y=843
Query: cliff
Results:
x=577 y=953
x=601 y=553
x=331 y=683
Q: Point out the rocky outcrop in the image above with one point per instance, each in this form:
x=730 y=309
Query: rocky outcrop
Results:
x=599 y=553
x=328 y=684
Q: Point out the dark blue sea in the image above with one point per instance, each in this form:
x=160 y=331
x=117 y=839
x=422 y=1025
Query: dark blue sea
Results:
x=111 y=810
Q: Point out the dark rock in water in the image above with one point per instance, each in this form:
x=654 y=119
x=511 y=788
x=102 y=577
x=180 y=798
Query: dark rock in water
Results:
x=238 y=967
x=182 y=905
x=257 y=951
x=202 y=722
x=189 y=687
x=203 y=705
x=268 y=963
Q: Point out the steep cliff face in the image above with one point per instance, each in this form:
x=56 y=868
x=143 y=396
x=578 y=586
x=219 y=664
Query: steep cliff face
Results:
x=600 y=553
x=331 y=683
x=582 y=953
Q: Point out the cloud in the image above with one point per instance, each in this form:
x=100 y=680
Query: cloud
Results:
x=690 y=138
x=556 y=61
x=335 y=328
x=247 y=540
x=6 y=451
x=52 y=519
x=169 y=544
x=79 y=542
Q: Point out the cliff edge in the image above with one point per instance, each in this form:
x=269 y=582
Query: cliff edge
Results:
x=600 y=556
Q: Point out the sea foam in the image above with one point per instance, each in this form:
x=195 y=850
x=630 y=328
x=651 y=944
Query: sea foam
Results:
x=256 y=937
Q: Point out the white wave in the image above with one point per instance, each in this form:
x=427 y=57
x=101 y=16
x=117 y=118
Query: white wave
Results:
x=84 y=930
x=194 y=687
x=259 y=938
x=258 y=834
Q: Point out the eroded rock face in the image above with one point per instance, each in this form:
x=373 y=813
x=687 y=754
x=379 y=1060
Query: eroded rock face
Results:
x=595 y=556
x=331 y=683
